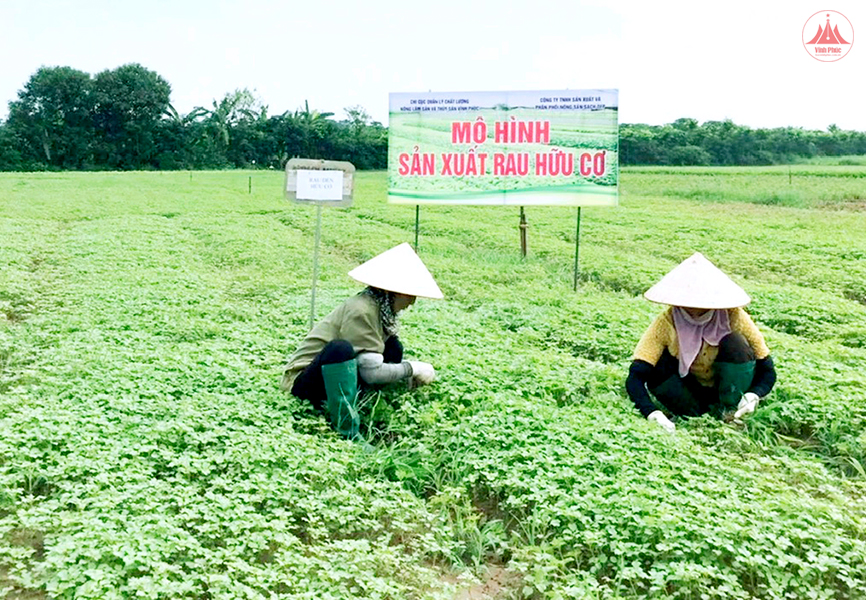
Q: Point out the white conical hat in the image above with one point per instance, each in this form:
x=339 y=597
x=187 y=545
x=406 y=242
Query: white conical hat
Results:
x=698 y=283
x=398 y=270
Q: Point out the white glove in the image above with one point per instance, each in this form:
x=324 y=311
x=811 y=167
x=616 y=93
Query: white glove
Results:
x=422 y=373
x=663 y=422
x=747 y=405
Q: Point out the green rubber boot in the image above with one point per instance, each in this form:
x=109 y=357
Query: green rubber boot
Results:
x=341 y=386
x=734 y=380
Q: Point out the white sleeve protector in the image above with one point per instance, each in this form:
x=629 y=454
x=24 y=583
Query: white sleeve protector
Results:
x=374 y=370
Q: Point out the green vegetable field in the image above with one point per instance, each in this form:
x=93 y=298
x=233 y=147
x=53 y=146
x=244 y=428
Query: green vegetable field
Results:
x=147 y=452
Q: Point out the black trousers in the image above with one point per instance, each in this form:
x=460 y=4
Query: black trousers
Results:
x=309 y=385
x=685 y=395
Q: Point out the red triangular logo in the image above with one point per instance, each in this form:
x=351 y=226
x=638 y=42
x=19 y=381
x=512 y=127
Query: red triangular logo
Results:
x=829 y=37
x=826 y=35
x=817 y=37
x=838 y=37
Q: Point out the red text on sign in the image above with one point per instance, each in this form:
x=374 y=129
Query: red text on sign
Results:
x=592 y=164
x=522 y=132
x=417 y=164
x=459 y=164
x=511 y=164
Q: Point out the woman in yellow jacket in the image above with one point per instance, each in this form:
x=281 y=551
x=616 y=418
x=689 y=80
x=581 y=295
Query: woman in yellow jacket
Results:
x=703 y=353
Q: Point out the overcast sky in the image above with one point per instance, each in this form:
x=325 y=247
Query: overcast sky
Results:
x=710 y=61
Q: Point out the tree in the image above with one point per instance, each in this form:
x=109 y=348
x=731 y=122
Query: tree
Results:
x=130 y=101
x=365 y=142
x=282 y=140
x=639 y=145
x=173 y=138
x=249 y=142
x=52 y=118
x=223 y=119
x=10 y=156
x=685 y=124
x=719 y=141
x=689 y=155
x=315 y=128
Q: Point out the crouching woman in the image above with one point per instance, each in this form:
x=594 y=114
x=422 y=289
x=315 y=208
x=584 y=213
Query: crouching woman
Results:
x=703 y=354
x=356 y=345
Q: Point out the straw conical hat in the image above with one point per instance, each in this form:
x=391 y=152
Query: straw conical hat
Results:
x=698 y=283
x=398 y=270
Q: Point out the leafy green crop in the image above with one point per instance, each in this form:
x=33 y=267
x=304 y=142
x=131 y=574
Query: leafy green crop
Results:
x=146 y=450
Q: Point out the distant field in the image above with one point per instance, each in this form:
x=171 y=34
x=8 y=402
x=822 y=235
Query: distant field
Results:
x=147 y=452
x=798 y=186
x=846 y=160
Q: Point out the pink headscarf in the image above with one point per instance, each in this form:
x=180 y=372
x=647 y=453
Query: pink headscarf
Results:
x=712 y=326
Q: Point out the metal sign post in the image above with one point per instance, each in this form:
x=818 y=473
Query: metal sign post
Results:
x=323 y=183
x=417 y=225
x=576 y=247
x=315 y=264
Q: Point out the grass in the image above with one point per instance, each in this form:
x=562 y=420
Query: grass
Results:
x=844 y=160
x=145 y=449
x=815 y=185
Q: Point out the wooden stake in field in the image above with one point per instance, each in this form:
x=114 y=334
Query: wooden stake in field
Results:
x=523 y=228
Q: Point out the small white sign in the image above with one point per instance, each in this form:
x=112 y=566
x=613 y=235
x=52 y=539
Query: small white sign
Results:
x=320 y=185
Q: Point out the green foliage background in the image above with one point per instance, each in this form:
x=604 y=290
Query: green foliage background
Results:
x=121 y=119
x=687 y=142
x=146 y=451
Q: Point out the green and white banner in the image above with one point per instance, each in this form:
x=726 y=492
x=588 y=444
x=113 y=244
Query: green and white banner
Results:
x=518 y=148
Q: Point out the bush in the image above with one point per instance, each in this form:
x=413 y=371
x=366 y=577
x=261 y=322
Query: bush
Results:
x=689 y=156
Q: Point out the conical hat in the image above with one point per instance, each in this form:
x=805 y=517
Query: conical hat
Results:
x=698 y=283
x=398 y=270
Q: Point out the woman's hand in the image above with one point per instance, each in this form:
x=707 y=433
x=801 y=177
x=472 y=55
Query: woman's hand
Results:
x=748 y=404
x=422 y=373
x=662 y=421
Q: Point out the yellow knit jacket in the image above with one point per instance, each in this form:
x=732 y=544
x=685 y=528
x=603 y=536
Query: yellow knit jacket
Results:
x=662 y=334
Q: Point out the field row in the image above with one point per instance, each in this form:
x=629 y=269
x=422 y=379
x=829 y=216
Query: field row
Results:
x=145 y=449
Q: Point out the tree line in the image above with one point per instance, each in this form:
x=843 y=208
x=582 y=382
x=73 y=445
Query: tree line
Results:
x=686 y=142
x=122 y=119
